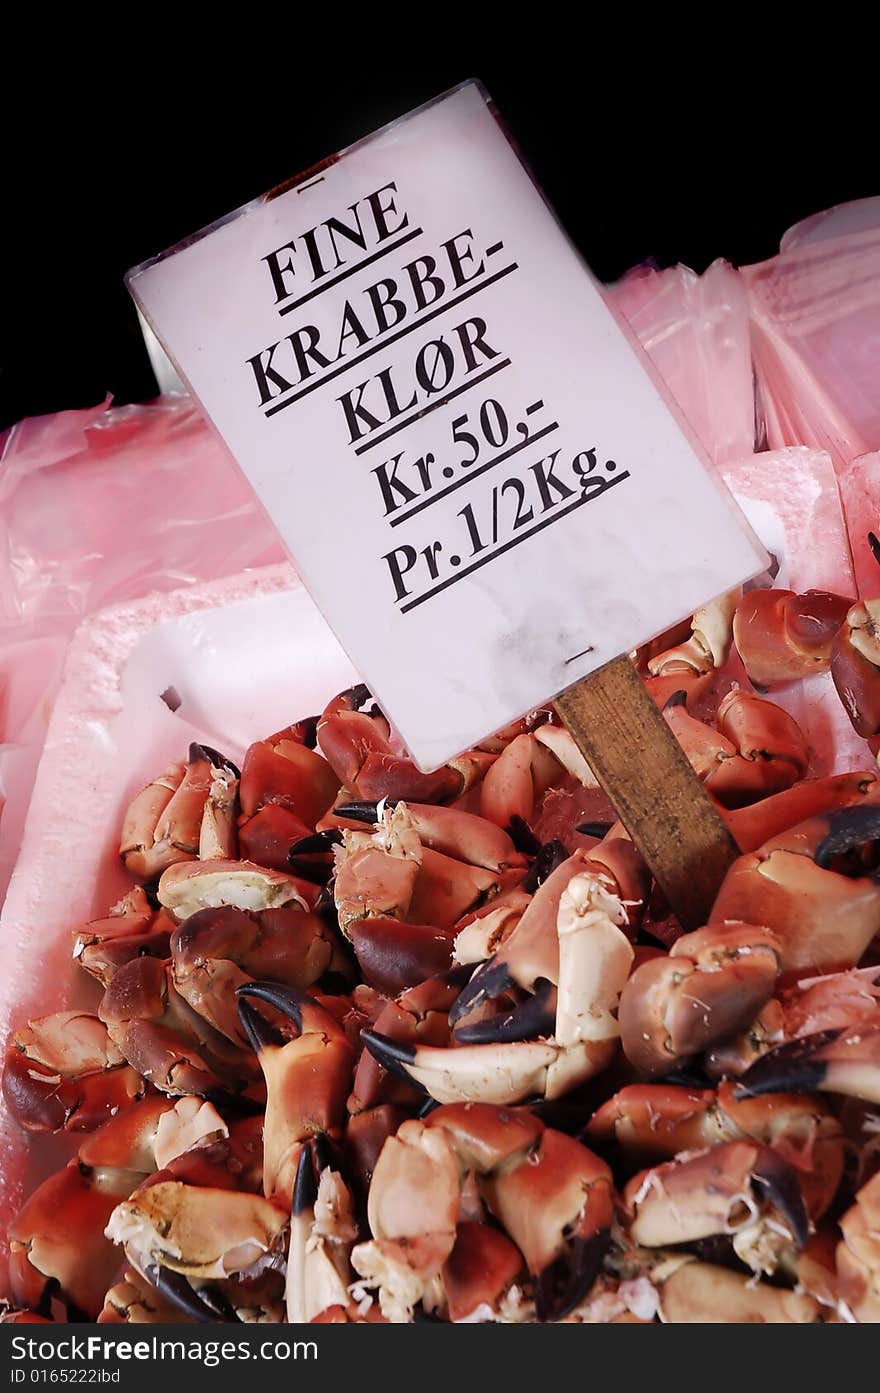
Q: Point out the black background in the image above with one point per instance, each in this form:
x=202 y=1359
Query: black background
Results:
x=698 y=168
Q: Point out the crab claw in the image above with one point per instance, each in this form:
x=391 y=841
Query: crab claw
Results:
x=551 y=1196
x=419 y=1016
x=813 y=886
x=489 y=982
x=832 y=1061
x=164 y=1039
x=739 y=1188
x=196 y=1230
x=307 y=1078
x=72 y=1257
x=64 y=1072
x=690 y=665
x=463 y=836
x=782 y=636
x=284 y=772
x=479 y=1271
x=502 y=1074
x=322 y=1230
x=534 y=1017
x=519 y=777
x=397 y=1056
x=557 y=1208
x=531 y=951
x=190 y=886
x=855 y=667
x=711 y=985
x=356 y=744
x=207 y=1305
x=186 y=813
x=393 y=955
x=758 y=823
x=215 y=950
x=858 y=1256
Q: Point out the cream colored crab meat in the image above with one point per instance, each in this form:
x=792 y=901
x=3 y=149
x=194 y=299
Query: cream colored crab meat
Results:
x=198 y=1231
x=193 y=885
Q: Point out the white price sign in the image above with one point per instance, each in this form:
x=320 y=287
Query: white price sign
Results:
x=481 y=482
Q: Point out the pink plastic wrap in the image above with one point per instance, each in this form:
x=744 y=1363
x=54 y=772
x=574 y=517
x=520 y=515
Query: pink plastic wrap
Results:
x=696 y=330
x=792 y=500
x=98 y=507
x=815 y=311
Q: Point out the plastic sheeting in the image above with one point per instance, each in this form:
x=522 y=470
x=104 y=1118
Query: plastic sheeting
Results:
x=815 y=313
x=792 y=500
x=98 y=507
x=696 y=331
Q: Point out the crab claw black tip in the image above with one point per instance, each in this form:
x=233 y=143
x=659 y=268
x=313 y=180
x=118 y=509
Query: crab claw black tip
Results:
x=288 y=1000
x=309 y=726
x=531 y=1019
x=678 y=698
x=205 y=1306
x=849 y=829
x=563 y=1283
x=260 y=1033
x=874 y=544
x=594 y=829
x=779 y=1183
x=488 y=982
x=214 y=758
x=551 y=855
x=305 y=1185
x=322 y=1150
x=394 y=1055
x=358 y=695
x=522 y=836
x=359 y=812
x=794 y=1067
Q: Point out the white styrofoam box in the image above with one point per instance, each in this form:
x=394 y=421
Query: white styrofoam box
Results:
x=246 y=656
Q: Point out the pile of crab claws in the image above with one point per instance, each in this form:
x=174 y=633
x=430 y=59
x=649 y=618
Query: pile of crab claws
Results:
x=563 y=1284
x=207 y=1306
x=531 y=1019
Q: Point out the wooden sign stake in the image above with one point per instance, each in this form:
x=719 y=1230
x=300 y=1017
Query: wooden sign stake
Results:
x=658 y=798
